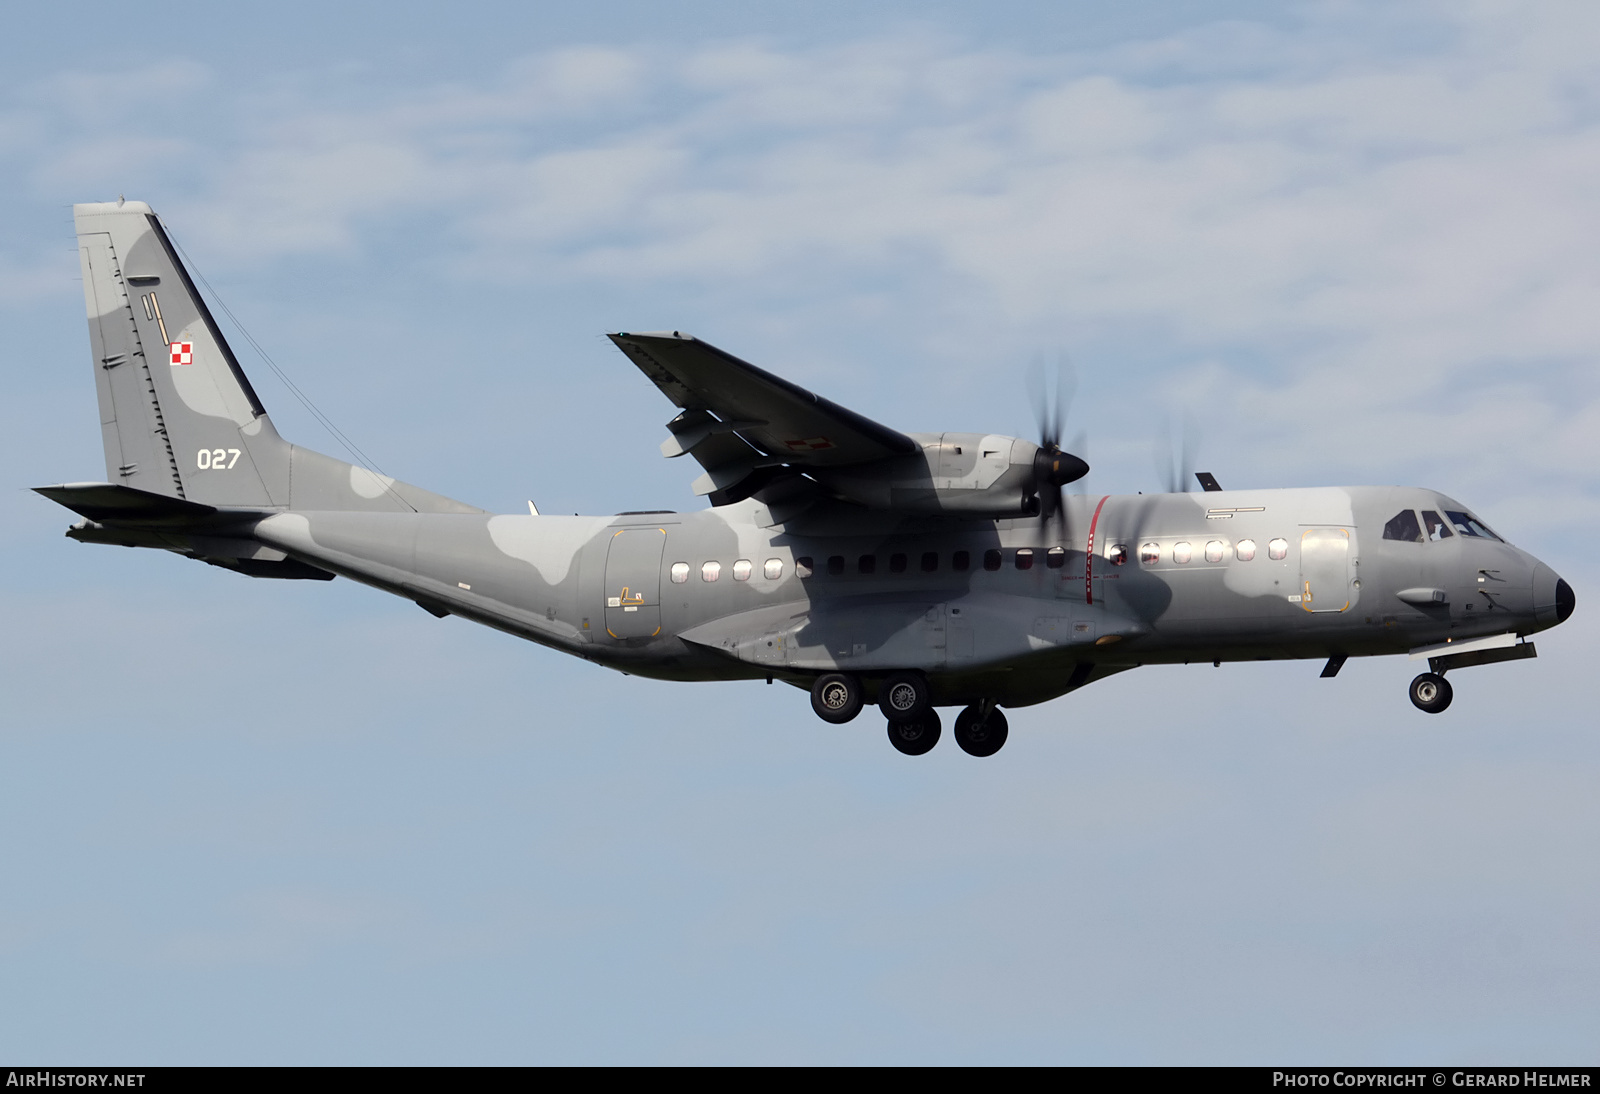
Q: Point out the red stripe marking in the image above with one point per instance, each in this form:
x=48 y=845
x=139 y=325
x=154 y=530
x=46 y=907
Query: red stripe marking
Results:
x=1088 y=553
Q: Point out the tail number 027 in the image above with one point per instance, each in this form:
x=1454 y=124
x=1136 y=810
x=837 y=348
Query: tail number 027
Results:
x=217 y=459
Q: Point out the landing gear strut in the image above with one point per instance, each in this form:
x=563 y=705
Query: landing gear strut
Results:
x=918 y=736
x=981 y=729
x=1431 y=692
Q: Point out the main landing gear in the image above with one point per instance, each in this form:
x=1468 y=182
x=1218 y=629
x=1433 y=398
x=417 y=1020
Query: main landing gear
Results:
x=907 y=704
x=836 y=697
x=1431 y=692
x=981 y=729
x=918 y=735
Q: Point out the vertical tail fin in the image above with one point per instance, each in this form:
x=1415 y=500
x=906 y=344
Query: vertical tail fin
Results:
x=177 y=414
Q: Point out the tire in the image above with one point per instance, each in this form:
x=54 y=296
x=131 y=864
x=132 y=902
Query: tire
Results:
x=983 y=738
x=916 y=737
x=903 y=697
x=836 y=697
x=1431 y=692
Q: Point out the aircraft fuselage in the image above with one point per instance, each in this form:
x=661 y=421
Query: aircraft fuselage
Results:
x=986 y=609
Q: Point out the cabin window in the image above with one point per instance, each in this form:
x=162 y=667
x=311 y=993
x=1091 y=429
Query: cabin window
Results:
x=961 y=562
x=835 y=565
x=1278 y=549
x=930 y=561
x=1025 y=558
x=1437 y=528
x=803 y=566
x=1403 y=526
x=867 y=564
x=1214 y=551
x=897 y=564
x=711 y=571
x=1117 y=554
x=1149 y=553
x=772 y=569
x=1469 y=525
x=680 y=572
x=991 y=560
x=1056 y=557
x=1182 y=552
x=741 y=570
x=1245 y=550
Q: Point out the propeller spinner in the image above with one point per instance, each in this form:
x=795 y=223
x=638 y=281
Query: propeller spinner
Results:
x=1054 y=468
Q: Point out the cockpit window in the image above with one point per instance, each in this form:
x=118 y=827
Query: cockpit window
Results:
x=1469 y=525
x=1437 y=528
x=1404 y=527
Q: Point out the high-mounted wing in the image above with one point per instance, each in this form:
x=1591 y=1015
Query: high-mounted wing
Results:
x=747 y=427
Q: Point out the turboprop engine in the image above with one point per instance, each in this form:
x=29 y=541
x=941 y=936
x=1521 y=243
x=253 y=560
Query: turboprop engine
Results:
x=971 y=474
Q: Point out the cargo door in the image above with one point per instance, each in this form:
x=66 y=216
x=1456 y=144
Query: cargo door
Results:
x=633 y=582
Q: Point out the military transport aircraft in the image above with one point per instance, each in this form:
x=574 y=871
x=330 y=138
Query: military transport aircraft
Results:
x=916 y=570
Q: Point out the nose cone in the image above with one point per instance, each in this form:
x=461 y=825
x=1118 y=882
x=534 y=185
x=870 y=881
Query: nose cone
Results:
x=1553 y=598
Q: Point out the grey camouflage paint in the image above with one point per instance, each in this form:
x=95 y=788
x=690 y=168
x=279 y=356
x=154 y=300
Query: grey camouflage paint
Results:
x=602 y=588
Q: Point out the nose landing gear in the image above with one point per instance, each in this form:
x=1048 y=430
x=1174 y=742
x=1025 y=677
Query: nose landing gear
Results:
x=1431 y=692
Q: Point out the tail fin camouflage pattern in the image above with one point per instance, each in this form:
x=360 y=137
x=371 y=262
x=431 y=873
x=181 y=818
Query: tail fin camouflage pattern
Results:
x=178 y=416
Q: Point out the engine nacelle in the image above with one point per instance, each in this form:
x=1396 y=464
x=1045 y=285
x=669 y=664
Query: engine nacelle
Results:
x=965 y=474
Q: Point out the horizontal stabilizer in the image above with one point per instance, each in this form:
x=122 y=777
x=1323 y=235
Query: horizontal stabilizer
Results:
x=109 y=501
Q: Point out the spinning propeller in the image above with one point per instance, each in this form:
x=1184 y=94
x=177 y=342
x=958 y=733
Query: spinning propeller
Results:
x=1054 y=468
x=1174 y=457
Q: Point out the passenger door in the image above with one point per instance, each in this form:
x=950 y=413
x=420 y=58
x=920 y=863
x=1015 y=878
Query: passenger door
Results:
x=1325 y=569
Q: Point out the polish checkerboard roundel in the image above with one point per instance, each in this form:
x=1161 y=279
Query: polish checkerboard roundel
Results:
x=182 y=353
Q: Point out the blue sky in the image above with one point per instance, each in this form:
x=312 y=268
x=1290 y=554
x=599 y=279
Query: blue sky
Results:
x=247 y=821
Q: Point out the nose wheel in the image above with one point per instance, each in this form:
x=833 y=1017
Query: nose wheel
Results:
x=1431 y=692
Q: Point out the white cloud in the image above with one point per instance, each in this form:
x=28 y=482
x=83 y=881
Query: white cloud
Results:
x=1343 y=231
